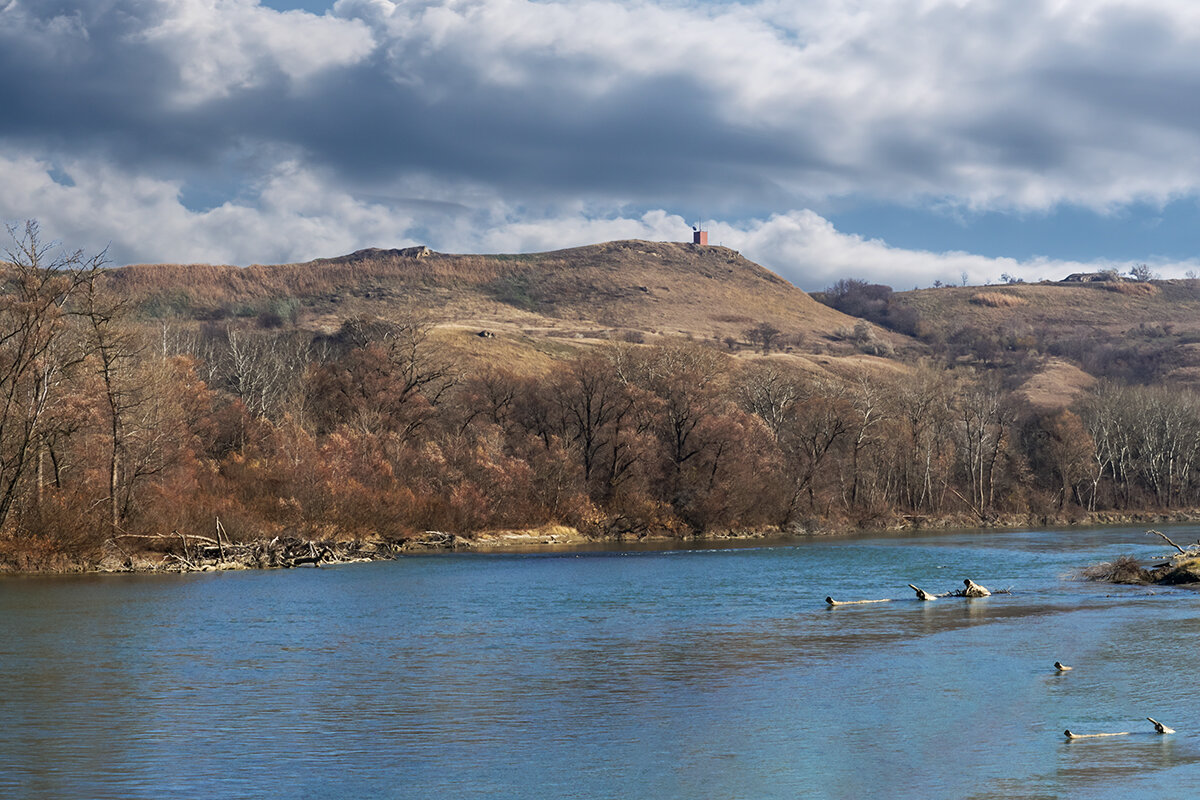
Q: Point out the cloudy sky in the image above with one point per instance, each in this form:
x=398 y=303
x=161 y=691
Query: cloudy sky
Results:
x=902 y=141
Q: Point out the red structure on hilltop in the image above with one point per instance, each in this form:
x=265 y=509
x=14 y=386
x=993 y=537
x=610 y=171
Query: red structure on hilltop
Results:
x=699 y=236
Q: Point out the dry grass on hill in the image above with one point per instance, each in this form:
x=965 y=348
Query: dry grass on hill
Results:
x=1131 y=289
x=1063 y=306
x=1056 y=385
x=1140 y=332
x=997 y=300
x=606 y=290
x=518 y=352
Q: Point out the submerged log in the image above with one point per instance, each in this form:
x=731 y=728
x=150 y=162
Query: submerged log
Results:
x=833 y=602
x=1070 y=735
x=971 y=589
x=1061 y=667
x=1159 y=727
x=922 y=594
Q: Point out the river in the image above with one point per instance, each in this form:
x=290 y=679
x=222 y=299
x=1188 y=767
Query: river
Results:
x=711 y=673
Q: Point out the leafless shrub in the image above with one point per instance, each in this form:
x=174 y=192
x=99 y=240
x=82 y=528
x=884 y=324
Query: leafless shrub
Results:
x=1124 y=569
x=764 y=335
x=1154 y=330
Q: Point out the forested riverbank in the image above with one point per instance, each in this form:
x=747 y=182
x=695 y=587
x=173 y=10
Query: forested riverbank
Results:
x=122 y=435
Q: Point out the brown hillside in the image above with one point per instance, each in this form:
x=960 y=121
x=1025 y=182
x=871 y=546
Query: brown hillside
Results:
x=600 y=290
x=1056 y=385
x=1139 y=332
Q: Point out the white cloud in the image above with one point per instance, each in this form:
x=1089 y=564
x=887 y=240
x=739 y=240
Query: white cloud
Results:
x=807 y=250
x=557 y=123
x=986 y=104
x=139 y=218
x=221 y=46
x=573 y=230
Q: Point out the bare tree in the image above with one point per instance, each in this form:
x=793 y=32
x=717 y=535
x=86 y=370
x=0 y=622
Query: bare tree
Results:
x=1100 y=413
x=117 y=348
x=1164 y=436
x=39 y=288
x=866 y=402
x=813 y=425
x=920 y=403
x=1142 y=272
x=265 y=370
x=392 y=378
x=595 y=407
x=424 y=366
x=195 y=343
x=984 y=419
x=769 y=391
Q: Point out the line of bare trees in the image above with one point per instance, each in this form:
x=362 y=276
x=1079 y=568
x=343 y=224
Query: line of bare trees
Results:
x=112 y=425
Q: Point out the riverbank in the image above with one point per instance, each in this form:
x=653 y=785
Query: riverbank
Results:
x=178 y=553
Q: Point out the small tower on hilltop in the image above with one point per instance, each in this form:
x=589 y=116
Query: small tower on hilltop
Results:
x=699 y=235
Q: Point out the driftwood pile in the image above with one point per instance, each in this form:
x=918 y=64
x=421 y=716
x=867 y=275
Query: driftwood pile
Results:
x=183 y=553
x=180 y=552
x=1181 y=568
x=434 y=540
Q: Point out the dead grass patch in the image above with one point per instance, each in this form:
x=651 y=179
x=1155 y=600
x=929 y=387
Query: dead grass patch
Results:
x=997 y=300
x=1132 y=289
x=1057 y=385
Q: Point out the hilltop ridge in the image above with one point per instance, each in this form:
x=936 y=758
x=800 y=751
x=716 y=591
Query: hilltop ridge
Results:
x=625 y=287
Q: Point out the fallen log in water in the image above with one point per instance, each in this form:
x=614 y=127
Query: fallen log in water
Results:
x=1167 y=539
x=1070 y=735
x=922 y=594
x=971 y=589
x=833 y=602
x=434 y=540
x=1158 y=728
x=1182 y=568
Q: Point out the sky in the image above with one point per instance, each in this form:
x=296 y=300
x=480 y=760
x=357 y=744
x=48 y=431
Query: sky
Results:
x=904 y=142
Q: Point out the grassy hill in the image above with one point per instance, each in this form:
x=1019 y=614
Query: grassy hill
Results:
x=539 y=305
x=1136 y=332
x=1051 y=339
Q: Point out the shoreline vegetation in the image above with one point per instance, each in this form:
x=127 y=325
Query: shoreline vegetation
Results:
x=1181 y=568
x=345 y=419
x=178 y=553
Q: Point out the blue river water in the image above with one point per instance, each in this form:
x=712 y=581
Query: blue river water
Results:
x=711 y=673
